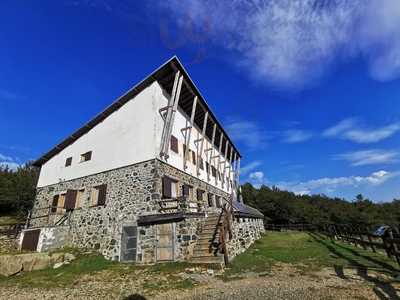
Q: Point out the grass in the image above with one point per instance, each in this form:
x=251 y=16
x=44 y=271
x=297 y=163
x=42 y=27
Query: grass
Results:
x=308 y=252
x=5 y=220
x=302 y=250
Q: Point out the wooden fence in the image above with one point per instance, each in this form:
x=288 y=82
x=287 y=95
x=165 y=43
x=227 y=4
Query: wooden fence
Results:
x=388 y=241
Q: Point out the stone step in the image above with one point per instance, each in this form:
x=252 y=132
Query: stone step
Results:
x=207 y=260
x=197 y=253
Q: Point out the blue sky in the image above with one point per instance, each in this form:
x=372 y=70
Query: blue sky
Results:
x=309 y=90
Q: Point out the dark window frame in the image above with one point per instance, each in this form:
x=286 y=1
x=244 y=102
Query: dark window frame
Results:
x=87 y=156
x=68 y=161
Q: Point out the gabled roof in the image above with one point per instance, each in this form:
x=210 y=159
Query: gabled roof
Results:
x=165 y=75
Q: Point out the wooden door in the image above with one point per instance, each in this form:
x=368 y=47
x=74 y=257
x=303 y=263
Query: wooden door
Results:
x=30 y=240
x=165 y=242
x=129 y=243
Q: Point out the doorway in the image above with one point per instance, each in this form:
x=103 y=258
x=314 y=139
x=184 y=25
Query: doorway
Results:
x=129 y=243
x=165 y=242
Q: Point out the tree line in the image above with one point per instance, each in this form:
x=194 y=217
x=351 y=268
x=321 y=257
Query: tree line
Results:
x=283 y=207
x=17 y=189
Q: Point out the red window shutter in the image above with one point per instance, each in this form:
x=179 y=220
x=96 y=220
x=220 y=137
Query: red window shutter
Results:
x=70 y=199
x=54 y=204
x=101 y=200
x=167 y=191
x=174 y=144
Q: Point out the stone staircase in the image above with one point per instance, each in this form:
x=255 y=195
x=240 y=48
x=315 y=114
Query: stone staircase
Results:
x=206 y=249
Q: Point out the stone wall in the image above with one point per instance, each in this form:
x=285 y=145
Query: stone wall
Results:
x=245 y=232
x=129 y=194
x=53 y=238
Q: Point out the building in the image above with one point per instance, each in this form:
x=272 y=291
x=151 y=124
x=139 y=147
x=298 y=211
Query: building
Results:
x=151 y=178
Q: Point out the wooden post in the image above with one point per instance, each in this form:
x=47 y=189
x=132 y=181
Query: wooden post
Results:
x=200 y=150
x=189 y=134
x=394 y=246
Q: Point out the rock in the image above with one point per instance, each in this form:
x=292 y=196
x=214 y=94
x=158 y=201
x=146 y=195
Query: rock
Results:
x=9 y=267
x=69 y=257
x=57 y=257
x=57 y=265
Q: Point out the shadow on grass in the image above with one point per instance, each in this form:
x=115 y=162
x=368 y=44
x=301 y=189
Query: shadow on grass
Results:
x=383 y=290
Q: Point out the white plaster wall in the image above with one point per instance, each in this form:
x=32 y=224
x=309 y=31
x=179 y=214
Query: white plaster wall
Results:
x=126 y=137
x=176 y=160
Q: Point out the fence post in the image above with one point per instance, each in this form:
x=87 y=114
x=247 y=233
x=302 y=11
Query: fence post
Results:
x=394 y=246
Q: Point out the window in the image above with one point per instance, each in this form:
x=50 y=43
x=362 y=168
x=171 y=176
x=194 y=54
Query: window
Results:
x=54 y=204
x=201 y=163
x=174 y=144
x=219 y=175
x=207 y=167
x=200 y=195
x=169 y=188
x=193 y=157
x=68 y=161
x=98 y=195
x=210 y=200
x=86 y=156
x=218 y=201
x=187 y=192
x=213 y=171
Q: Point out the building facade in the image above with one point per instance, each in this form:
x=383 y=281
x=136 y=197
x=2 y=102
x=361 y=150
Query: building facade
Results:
x=154 y=177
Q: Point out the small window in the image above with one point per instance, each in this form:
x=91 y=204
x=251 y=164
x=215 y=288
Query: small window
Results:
x=218 y=201
x=170 y=188
x=187 y=192
x=86 y=156
x=201 y=162
x=174 y=144
x=213 y=171
x=98 y=195
x=207 y=167
x=210 y=200
x=68 y=161
x=193 y=157
x=200 y=195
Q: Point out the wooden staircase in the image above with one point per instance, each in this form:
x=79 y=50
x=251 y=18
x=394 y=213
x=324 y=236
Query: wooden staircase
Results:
x=207 y=249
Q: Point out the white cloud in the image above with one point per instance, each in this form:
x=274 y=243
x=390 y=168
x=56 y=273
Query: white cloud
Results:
x=352 y=130
x=250 y=167
x=257 y=179
x=11 y=165
x=253 y=136
x=291 y=42
x=8 y=161
x=6 y=158
x=330 y=184
x=369 y=157
x=292 y=136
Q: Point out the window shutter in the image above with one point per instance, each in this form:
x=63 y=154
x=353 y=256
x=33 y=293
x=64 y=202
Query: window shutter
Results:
x=174 y=144
x=54 y=204
x=201 y=163
x=186 y=189
x=101 y=200
x=70 y=199
x=167 y=187
x=88 y=155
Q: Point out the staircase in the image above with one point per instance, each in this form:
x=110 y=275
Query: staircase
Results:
x=206 y=250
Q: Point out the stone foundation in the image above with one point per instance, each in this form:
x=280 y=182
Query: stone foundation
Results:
x=245 y=232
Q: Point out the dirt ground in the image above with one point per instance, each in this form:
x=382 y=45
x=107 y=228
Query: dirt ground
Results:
x=282 y=282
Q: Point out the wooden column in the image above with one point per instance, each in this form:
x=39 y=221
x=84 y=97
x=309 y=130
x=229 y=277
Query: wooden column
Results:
x=188 y=133
x=201 y=140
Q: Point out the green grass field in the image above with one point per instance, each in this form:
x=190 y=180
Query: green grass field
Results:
x=308 y=252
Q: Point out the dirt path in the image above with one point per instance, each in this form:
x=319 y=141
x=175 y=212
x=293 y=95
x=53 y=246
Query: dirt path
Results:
x=283 y=282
